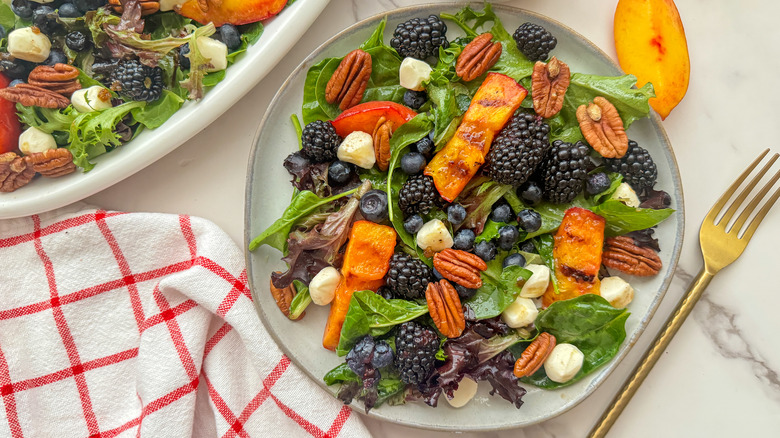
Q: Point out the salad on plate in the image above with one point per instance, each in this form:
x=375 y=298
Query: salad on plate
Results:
x=470 y=209
x=79 y=78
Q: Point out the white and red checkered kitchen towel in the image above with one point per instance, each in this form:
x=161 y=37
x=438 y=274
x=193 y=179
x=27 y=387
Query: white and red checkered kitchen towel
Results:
x=134 y=324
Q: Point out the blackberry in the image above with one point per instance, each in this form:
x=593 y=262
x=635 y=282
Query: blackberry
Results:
x=137 y=81
x=415 y=352
x=407 y=276
x=418 y=195
x=564 y=171
x=420 y=37
x=636 y=166
x=534 y=41
x=518 y=149
x=320 y=141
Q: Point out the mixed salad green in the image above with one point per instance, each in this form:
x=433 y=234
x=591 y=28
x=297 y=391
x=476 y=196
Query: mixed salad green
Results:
x=313 y=231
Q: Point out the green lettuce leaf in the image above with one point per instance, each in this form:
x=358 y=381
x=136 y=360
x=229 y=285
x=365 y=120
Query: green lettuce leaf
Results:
x=622 y=219
x=300 y=301
x=587 y=322
x=499 y=288
x=156 y=113
x=92 y=134
x=302 y=204
x=370 y=314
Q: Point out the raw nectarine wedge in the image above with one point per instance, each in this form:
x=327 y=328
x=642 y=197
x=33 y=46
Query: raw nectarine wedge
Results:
x=232 y=11
x=651 y=45
x=363 y=117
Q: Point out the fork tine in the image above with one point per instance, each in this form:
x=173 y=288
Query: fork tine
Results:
x=760 y=216
x=712 y=214
x=743 y=217
x=724 y=221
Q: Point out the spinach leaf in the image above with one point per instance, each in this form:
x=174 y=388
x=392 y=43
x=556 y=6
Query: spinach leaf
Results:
x=165 y=24
x=544 y=246
x=7 y=17
x=340 y=374
x=490 y=231
x=250 y=34
x=402 y=138
x=300 y=301
x=384 y=83
x=156 y=113
x=622 y=219
x=302 y=204
x=589 y=323
x=377 y=38
x=315 y=107
x=499 y=288
x=213 y=78
x=369 y=313
x=616 y=179
x=388 y=386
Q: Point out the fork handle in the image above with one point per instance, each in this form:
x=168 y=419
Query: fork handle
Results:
x=651 y=356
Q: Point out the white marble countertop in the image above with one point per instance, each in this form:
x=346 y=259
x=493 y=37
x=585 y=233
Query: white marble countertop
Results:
x=720 y=376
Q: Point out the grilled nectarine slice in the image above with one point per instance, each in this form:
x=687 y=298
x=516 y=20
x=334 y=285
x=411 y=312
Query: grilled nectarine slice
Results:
x=232 y=11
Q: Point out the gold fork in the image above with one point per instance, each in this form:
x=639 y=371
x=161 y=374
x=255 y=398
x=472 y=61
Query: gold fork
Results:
x=721 y=245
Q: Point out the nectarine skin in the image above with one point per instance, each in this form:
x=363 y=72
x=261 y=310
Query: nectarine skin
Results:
x=232 y=11
x=651 y=45
x=363 y=117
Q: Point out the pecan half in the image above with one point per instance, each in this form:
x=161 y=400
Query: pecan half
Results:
x=477 y=57
x=30 y=95
x=382 y=133
x=460 y=266
x=147 y=7
x=283 y=298
x=623 y=254
x=52 y=163
x=349 y=81
x=549 y=83
x=534 y=355
x=445 y=308
x=603 y=128
x=14 y=172
x=59 y=78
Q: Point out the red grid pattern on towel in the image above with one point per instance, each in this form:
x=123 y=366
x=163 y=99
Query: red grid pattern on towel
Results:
x=168 y=316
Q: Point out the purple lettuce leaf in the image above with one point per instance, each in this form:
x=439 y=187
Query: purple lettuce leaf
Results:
x=314 y=176
x=478 y=198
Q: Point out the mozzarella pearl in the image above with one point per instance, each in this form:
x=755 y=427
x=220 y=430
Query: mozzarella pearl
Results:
x=358 y=149
x=434 y=236
x=535 y=286
x=33 y=140
x=627 y=195
x=467 y=389
x=215 y=51
x=169 y=5
x=322 y=287
x=90 y=99
x=617 y=291
x=563 y=363
x=520 y=313
x=413 y=73
x=29 y=44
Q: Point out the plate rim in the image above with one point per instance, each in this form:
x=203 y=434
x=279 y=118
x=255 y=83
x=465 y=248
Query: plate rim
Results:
x=168 y=137
x=608 y=368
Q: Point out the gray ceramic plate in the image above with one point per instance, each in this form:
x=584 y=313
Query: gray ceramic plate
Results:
x=268 y=193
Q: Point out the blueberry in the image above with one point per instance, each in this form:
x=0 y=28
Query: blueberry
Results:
x=425 y=146
x=85 y=6
x=360 y=355
x=15 y=82
x=184 y=62
x=69 y=10
x=507 y=236
x=456 y=214
x=530 y=193
x=373 y=205
x=514 y=260
x=464 y=239
x=529 y=220
x=16 y=69
x=501 y=213
x=413 y=163
x=43 y=19
x=340 y=173
x=485 y=250
x=230 y=36
x=415 y=99
x=76 y=41
x=597 y=183
x=528 y=246
x=22 y=8
x=383 y=355
x=437 y=275
x=463 y=292
x=56 y=56
x=413 y=223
